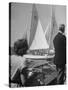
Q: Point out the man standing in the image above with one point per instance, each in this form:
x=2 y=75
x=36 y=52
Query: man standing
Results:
x=60 y=53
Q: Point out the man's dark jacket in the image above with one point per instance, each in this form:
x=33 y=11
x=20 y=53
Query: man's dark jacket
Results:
x=60 y=49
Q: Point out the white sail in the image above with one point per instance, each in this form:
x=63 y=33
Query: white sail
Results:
x=39 y=41
x=51 y=30
x=48 y=32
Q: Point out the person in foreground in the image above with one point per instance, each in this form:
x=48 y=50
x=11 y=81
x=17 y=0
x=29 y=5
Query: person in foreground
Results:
x=17 y=62
x=60 y=54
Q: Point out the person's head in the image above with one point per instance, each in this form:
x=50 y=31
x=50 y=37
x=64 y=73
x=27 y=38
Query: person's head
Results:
x=62 y=28
x=21 y=47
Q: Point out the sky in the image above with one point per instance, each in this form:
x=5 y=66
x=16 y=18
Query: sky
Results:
x=21 y=18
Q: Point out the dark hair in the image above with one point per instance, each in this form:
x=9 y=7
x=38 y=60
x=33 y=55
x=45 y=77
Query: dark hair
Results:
x=62 y=28
x=20 y=47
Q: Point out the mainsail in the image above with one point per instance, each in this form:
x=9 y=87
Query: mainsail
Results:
x=51 y=30
x=39 y=41
x=37 y=38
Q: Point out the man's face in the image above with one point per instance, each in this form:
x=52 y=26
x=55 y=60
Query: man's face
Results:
x=62 y=28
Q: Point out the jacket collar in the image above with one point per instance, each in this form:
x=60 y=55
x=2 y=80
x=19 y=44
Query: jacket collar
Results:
x=61 y=32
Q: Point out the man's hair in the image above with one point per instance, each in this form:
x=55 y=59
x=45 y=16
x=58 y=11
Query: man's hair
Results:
x=62 y=28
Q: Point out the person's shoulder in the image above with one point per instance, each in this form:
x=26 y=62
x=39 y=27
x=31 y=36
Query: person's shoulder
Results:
x=64 y=37
x=61 y=35
x=57 y=35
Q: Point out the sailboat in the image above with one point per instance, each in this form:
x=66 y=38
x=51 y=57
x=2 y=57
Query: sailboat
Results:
x=38 y=45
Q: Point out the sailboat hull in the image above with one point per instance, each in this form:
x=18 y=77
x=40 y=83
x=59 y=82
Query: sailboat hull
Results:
x=38 y=57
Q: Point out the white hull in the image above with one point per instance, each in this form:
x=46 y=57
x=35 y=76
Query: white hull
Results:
x=27 y=56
